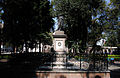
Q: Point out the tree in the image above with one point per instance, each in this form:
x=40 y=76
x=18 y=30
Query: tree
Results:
x=25 y=19
x=77 y=16
x=1 y=36
x=112 y=23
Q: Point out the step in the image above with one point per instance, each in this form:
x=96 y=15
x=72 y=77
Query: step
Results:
x=60 y=53
x=59 y=63
x=73 y=67
x=48 y=63
x=65 y=63
x=45 y=67
x=55 y=63
x=59 y=67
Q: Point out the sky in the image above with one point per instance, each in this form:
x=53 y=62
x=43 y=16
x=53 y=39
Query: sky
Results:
x=107 y=1
x=55 y=20
x=56 y=23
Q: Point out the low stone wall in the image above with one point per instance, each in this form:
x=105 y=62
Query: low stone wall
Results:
x=72 y=74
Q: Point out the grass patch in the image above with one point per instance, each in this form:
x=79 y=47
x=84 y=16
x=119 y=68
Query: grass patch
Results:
x=114 y=56
x=5 y=56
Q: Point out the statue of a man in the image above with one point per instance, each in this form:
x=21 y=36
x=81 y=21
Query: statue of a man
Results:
x=60 y=22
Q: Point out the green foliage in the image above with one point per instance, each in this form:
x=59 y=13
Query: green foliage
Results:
x=25 y=20
x=112 y=23
x=5 y=56
x=107 y=22
x=116 y=57
x=46 y=38
x=78 y=20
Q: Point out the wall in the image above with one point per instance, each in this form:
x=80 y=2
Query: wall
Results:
x=73 y=75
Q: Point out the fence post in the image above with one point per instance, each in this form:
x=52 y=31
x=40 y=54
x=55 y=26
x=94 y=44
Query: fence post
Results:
x=80 y=60
x=93 y=59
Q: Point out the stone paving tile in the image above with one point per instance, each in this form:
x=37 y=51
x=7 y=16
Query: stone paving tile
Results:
x=115 y=66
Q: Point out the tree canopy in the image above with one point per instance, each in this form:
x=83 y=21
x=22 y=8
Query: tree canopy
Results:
x=112 y=23
x=78 y=21
x=25 y=20
x=85 y=21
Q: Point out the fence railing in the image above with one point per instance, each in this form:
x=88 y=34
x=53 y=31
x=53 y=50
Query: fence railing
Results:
x=97 y=61
x=78 y=61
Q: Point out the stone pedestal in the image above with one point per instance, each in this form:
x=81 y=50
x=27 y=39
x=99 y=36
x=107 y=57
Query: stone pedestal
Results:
x=59 y=41
x=60 y=61
x=60 y=49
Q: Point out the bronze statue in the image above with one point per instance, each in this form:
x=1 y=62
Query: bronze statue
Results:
x=60 y=22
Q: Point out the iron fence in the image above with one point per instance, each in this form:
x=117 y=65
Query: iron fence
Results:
x=63 y=60
x=78 y=61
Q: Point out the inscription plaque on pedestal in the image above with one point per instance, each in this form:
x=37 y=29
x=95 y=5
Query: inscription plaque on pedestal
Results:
x=59 y=41
x=59 y=44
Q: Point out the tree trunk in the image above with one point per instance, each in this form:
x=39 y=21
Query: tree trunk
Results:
x=14 y=48
x=26 y=46
x=0 y=46
x=0 y=41
x=35 y=46
x=39 y=47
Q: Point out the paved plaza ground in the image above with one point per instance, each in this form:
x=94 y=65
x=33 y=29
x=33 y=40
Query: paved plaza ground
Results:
x=115 y=70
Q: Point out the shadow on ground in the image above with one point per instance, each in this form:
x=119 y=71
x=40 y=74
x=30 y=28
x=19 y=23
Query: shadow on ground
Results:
x=23 y=65
x=115 y=73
